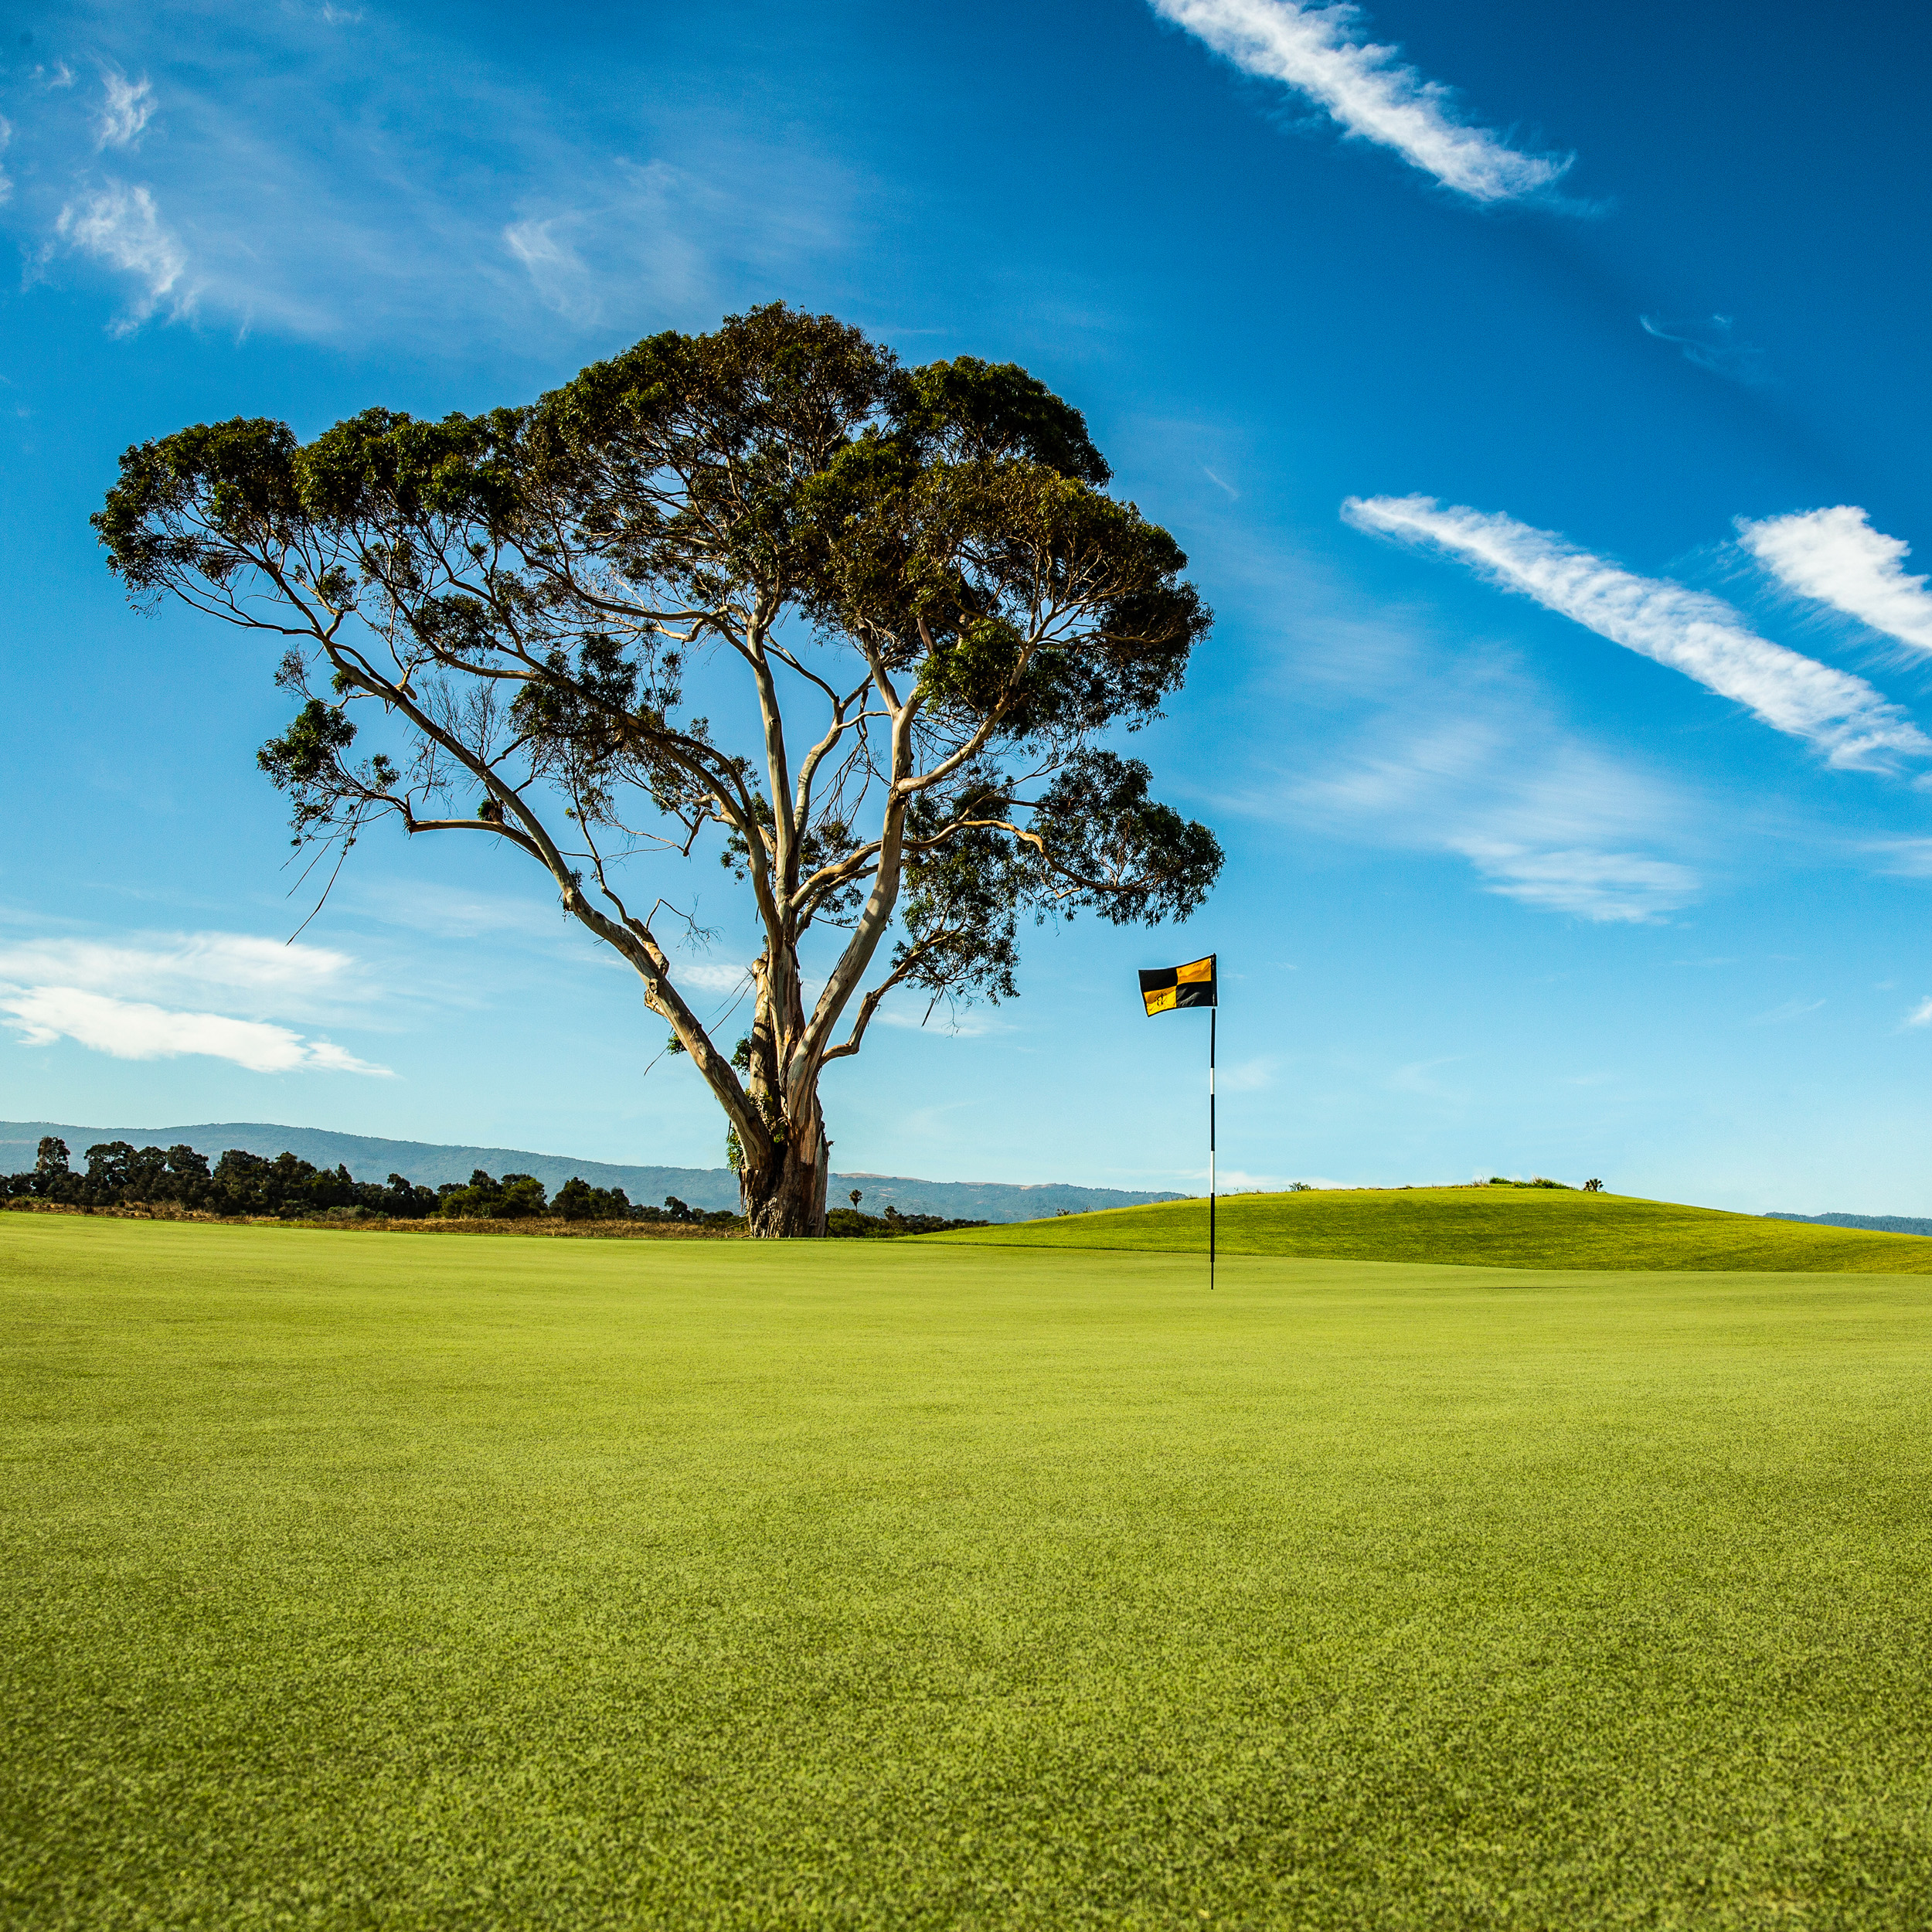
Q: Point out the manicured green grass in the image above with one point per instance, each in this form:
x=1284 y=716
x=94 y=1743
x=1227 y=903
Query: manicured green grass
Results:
x=352 y=1582
x=1506 y=1227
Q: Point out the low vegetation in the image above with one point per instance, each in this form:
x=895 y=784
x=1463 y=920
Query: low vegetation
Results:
x=849 y=1224
x=286 y=1188
x=1522 y=1225
x=575 y=1586
x=177 y=1182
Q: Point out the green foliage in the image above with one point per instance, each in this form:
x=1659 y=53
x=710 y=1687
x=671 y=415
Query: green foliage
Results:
x=119 y=1175
x=568 y=1587
x=577 y=1200
x=848 y=1224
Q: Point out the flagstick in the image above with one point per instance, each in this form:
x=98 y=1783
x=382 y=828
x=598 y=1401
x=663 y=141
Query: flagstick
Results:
x=1214 y=1020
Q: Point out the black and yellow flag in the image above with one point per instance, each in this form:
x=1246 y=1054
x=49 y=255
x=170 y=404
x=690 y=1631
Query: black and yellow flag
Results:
x=1169 y=987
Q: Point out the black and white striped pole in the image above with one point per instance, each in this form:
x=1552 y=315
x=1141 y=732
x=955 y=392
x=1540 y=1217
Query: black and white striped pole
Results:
x=1166 y=989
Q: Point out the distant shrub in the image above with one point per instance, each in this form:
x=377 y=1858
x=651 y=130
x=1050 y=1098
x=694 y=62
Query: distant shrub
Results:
x=848 y=1224
x=1593 y=1187
x=577 y=1200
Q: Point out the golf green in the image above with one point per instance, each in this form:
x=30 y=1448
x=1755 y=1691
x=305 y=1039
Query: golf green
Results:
x=1503 y=1227
x=354 y=1580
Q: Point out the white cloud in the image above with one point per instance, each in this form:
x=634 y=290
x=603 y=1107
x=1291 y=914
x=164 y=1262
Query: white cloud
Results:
x=1697 y=635
x=104 y=994
x=183 y=965
x=6 y=138
x=127 y=107
x=120 y=227
x=1315 y=50
x=1921 y=1014
x=1239 y=1181
x=135 y=1030
x=1835 y=557
x=710 y=976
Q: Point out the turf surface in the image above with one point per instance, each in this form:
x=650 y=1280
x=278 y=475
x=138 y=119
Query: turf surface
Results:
x=1509 y=1227
x=352 y=1582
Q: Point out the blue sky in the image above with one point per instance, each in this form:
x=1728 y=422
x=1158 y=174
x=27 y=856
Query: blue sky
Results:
x=1541 y=400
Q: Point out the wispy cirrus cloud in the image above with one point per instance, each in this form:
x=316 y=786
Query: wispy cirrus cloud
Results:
x=1318 y=51
x=1783 y=1015
x=1903 y=858
x=136 y=1030
x=338 y=179
x=126 y=108
x=1834 y=556
x=1921 y=1014
x=121 y=227
x=1414 y=739
x=1699 y=635
x=557 y=250
x=1544 y=819
x=1627 y=887
x=1711 y=342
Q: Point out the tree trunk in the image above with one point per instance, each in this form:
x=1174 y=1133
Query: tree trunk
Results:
x=787 y=1198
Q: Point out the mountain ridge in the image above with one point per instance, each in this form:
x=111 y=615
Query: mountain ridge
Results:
x=1875 y=1223
x=371 y=1158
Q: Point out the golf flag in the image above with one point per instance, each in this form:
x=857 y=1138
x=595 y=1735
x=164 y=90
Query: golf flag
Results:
x=1168 y=988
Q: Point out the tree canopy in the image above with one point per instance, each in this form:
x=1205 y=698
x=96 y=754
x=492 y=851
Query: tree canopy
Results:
x=938 y=612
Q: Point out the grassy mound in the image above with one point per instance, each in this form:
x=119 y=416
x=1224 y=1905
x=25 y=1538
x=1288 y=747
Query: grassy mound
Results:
x=1509 y=1227
x=571 y=1586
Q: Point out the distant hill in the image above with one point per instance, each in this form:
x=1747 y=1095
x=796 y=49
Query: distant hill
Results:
x=1507 y=1227
x=430 y=1165
x=1877 y=1223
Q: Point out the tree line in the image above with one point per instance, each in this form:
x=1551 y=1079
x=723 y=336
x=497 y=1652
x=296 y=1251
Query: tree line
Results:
x=119 y=1174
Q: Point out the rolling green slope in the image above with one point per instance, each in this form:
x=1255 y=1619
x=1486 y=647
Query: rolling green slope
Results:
x=524 y=1585
x=1507 y=1227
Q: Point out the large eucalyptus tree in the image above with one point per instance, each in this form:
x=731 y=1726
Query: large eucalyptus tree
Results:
x=938 y=612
